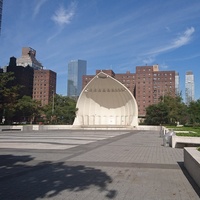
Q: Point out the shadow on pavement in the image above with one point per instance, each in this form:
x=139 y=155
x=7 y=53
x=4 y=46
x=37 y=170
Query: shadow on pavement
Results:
x=189 y=178
x=47 y=179
x=10 y=165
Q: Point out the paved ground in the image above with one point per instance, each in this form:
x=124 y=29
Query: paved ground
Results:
x=92 y=165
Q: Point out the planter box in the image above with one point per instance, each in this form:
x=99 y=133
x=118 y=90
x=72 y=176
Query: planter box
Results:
x=192 y=163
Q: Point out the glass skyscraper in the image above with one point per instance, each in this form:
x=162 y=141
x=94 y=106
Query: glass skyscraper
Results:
x=1 y=7
x=189 y=87
x=76 y=69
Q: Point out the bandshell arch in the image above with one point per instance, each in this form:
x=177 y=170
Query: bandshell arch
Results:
x=106 y=102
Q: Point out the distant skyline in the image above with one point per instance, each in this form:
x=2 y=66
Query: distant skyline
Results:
x=189 y=87
x=117 y=35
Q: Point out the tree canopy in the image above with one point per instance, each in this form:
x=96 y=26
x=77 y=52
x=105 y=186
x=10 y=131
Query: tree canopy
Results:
x=169 y=110
x=8 y=96
x=61 y=110
x=27 y=109
x=194 y=112
x=157 y=114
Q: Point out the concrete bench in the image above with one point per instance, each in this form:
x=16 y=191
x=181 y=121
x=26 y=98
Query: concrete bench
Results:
x=182 y=141
x=192 y=163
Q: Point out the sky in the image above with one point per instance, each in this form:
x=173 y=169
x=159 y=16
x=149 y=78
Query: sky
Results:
x=108 y=34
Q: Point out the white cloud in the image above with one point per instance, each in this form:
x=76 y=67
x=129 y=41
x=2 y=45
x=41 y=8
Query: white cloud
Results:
x=37 y=7
x=180 y=41
x=184 y=38
x=64 y=16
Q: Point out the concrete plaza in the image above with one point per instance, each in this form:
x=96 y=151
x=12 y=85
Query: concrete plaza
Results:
x=92 y=165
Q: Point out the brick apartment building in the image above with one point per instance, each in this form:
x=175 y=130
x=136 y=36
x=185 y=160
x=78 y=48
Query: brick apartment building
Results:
x=147 y=84
x=44 y=81
x=23 y=76
x=44 y=85
x=37 y=83
x=151 y=84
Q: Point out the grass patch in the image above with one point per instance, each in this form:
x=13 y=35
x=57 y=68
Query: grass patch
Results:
x=192 y=131
x=189 y=129
x=190 y=134
x=198 y=148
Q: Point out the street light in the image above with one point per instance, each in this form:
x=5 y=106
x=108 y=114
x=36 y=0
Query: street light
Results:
x=53 y=103
x=3 y=117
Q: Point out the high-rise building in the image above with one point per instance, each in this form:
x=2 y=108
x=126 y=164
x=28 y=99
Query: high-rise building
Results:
x=44 y=86
x=29 y=58
x=151 y=85
x=1 y=8
x=189 y=87
x=177 y=84
x=76 y=70
x=148 y=84
x=23 y=76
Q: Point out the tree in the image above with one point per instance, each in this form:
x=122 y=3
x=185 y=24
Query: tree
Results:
x=169 y=110
x=194 y=112
x=177 y=109
x=157 y=114
x=27 y=109
x=61 y=110
x=8 y=96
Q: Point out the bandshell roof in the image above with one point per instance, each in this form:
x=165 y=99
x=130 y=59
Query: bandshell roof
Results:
x=106 y=102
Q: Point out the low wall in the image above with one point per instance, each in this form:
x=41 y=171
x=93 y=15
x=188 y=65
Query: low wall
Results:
x=192 y=163
x=181 y=141
x=56 y=127
x=149 y=128
x=11 y=128
x=67 y=127
x=34 y=127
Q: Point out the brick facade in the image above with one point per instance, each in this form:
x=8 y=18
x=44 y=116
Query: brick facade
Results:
x=44 y=85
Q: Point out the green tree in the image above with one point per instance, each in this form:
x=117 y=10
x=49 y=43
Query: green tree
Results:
x=177 y=109
x=169 y=110
x=61 y=110
x=157 y=114
x=27 y=109
x=194 y=112
x=8 y=96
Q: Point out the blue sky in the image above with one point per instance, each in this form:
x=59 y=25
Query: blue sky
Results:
x=109 y=34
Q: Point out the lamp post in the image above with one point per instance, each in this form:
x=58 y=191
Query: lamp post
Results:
x=52 y=109
x=53 y=103
x=3 y=117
